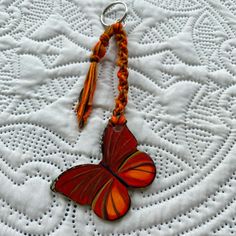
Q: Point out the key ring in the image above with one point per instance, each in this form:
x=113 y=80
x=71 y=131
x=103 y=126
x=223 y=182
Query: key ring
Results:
x=108 y=7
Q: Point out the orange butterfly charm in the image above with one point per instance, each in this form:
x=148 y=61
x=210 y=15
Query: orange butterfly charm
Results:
x=104 y=186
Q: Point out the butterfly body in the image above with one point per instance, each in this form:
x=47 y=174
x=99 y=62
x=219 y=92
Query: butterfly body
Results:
x=114 y=174
x=104 y=186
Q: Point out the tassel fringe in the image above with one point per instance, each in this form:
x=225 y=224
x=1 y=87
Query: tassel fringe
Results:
x=84 y=107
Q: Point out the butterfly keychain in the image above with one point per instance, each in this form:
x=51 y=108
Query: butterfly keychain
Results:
x=104 y=186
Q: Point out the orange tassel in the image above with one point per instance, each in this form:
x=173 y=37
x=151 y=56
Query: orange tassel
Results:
x=84 y=107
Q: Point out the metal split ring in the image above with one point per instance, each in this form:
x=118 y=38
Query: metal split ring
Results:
x=108 y=7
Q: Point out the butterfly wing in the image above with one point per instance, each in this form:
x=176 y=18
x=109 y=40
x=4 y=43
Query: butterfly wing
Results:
x=118 y=144
x=81 y=183
x=138 y=170
x=94 y=185
x=112 y=201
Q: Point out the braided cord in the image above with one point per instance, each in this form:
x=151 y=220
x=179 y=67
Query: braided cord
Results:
x=84 y=108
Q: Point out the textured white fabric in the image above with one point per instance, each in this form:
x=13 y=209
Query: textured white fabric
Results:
x=182 y=110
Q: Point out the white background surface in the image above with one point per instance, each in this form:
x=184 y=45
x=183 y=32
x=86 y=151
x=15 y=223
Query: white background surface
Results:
x=182 y=110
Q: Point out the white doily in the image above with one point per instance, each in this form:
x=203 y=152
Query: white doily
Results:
x=182 y=110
